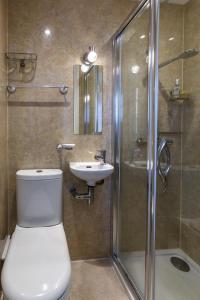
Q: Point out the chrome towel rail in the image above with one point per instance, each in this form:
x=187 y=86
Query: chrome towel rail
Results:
x=63 y=89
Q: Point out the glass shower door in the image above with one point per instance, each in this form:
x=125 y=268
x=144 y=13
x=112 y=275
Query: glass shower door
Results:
x=133 y=46
x=178 y=205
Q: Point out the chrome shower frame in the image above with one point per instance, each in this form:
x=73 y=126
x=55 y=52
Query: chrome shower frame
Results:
x=152 y=146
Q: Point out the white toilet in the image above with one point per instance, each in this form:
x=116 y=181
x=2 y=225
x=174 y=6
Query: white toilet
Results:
x=37 y=265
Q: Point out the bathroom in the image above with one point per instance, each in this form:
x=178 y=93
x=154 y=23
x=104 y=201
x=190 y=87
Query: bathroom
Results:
x=133 y=230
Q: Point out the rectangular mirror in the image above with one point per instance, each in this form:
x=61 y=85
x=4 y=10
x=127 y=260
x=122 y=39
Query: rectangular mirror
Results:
x=88 y=100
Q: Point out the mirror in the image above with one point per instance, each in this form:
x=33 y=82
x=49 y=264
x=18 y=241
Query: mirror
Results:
x=88 y=100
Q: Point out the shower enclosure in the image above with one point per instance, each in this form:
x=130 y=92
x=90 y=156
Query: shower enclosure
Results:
x=156 y=207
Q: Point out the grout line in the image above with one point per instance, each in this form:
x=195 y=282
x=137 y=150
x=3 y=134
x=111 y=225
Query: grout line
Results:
x=93 y=259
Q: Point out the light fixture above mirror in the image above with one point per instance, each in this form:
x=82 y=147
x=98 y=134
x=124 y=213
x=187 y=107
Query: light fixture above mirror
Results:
x=88 y=59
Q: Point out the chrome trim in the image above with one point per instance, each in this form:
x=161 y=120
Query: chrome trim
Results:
x=63 y=89
x=152 y=138
x=125 y=280
x=130 y=281
x=116 y=121
x=88 y=196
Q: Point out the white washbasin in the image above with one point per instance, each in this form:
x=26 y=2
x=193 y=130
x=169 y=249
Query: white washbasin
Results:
x=91 y=171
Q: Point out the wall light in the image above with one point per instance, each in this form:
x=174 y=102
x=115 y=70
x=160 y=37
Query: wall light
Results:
x=88 y=59
x=92 y=55
x=85 y=68
x=135 y=69
x=47 y=32
x=142 y=36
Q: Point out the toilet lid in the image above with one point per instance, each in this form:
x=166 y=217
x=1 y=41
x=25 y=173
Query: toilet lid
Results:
x=37 y=265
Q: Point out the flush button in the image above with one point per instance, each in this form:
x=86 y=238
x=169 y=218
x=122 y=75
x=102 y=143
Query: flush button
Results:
x=39 y=171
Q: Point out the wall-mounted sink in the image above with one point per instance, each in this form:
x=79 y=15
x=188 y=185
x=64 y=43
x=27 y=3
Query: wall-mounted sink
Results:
x=91 y=171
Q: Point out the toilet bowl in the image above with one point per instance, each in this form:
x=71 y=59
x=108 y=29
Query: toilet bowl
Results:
x=37 y=265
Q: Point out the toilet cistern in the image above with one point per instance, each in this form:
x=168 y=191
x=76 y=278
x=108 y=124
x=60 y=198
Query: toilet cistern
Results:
x=37 y=264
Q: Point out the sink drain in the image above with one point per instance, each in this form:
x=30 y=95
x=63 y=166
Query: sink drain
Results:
x=180 y=264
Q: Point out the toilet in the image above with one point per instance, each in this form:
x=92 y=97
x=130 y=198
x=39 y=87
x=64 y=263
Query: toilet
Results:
x=37 y=264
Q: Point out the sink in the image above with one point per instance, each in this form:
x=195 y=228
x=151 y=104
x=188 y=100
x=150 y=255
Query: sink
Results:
x=91 y=171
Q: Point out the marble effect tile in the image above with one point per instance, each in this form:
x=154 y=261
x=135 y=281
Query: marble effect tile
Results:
x=96 y=280
x=37 y=122
x=190 y=213
x=3 y=120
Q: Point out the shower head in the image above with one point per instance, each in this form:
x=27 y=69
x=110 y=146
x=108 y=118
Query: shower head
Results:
x=184 y=55
x=189 y=53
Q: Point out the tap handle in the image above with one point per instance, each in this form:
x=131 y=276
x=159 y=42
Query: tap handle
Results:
x=101 y=154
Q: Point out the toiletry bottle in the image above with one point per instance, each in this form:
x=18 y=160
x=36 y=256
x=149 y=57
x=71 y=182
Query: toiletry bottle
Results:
x=176 y=90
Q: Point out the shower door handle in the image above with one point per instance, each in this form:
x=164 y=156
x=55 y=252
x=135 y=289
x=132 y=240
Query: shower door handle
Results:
x=163 y=149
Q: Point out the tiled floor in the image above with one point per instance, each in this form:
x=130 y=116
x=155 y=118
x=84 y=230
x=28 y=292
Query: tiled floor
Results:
x=96 y=280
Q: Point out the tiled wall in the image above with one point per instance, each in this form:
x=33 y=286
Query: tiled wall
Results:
x=169 y=124
x=179 y=207
x=3 y=119
x=190 y=213
x=37 y=122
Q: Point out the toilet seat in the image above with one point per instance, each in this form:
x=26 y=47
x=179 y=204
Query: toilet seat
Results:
x=37 y=264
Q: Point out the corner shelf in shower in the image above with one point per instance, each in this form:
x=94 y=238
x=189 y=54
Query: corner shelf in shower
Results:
x=180 y=99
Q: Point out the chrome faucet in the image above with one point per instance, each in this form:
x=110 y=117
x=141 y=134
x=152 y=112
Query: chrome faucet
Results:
x=60 y=147
x=100 y=156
